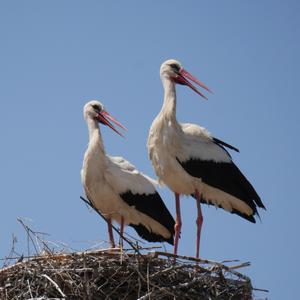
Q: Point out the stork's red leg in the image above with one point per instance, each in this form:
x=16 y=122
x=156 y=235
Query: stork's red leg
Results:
x=199 y=221
x=178 y=223
x=122 y=231
x=110 y=233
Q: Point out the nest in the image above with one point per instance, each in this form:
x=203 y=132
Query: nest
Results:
x=108 y=274
x=133 y=273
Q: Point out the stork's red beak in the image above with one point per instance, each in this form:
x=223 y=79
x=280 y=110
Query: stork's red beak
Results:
x=182 y=78
x=105 y=118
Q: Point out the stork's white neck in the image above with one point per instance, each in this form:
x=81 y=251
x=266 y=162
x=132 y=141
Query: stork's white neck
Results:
x=169 y=105
x=95 y=138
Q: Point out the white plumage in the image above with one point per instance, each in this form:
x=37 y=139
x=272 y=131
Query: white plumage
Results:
x=117 y=189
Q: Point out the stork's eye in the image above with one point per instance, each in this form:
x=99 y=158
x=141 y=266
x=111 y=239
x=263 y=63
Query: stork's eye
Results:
x=96 y=107
x=175 y=67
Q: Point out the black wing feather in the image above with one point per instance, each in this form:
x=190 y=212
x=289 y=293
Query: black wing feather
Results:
x=221 y=143
x=150 y=236
x=226 y=177
x=153 y=206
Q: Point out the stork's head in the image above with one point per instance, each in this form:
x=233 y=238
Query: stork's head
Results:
x=95 y=110
x=173 y=70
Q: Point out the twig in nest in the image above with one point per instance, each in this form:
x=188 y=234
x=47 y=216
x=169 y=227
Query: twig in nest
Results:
x=55 y=284
x=261 y=290
x=35 y=234
x=243 y=265
x=172 y=268
x=11 y=253
x=29 y=289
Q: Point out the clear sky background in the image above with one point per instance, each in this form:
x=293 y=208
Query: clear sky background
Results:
x=56 y=55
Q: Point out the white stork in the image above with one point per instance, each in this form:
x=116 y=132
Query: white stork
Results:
x=190 y=161
x=117 y=189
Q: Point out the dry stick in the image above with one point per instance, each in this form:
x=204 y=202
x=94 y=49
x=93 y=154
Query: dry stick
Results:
x=113 y=227
x=55 y=284
x=261 y=290
x=146 y=296
x=35 y=234
x=17 y=257
x=86 y=284
x=243 y=265
x=172 y=268
x=229 y=260
x=148 y=278
x=29 y=237
x=140 y=286
x=78 y=270
x=12 y=251
x=29 y=289
x=144 y=248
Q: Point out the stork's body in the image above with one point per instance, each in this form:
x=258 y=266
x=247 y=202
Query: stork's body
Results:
x=118 y=190
x=190 y=161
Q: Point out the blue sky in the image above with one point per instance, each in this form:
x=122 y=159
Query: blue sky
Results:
x=57 y=55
